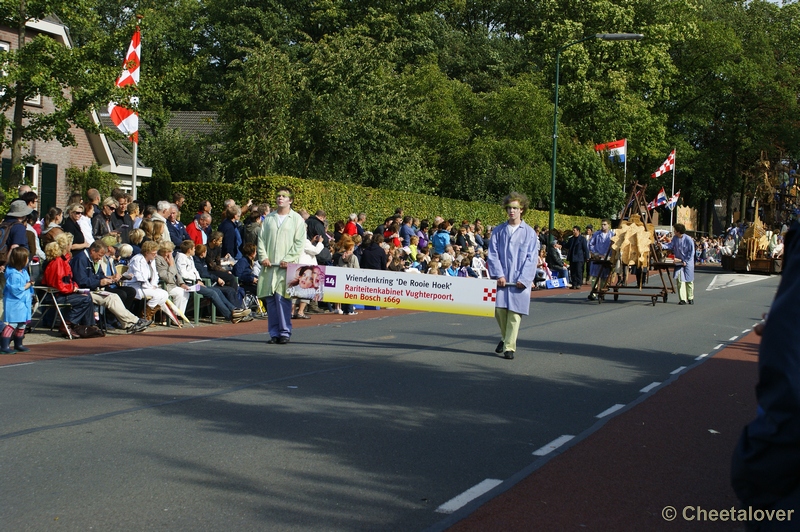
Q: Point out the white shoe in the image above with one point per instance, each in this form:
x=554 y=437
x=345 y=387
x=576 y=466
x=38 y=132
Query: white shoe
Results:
x=339 y=311
x=352 y=313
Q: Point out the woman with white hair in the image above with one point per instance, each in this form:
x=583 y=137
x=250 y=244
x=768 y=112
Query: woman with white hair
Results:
x=144 y=278
x=350 y=228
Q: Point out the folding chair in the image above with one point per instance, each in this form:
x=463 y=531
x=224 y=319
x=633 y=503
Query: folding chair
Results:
x=45 y=293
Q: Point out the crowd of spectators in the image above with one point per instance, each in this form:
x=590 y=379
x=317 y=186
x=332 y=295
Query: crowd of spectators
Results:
x=132 y=259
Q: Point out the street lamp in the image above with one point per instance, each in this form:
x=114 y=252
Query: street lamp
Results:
x=601 y=36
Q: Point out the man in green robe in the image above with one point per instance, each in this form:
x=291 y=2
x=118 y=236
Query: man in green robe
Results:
x=280 y=242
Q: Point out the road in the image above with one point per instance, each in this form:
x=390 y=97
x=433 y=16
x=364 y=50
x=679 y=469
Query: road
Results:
x=366 y=425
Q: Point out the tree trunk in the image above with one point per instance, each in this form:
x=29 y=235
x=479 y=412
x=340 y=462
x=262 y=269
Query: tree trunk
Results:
x=19 y=107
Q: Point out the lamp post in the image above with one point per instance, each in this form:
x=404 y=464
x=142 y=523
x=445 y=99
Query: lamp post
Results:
x=601 y=36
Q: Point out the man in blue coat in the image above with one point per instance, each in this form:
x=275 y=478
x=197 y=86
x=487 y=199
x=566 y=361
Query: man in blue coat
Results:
x=577 y=255
x=682 y=246
x=765 y=470
x=513 y=254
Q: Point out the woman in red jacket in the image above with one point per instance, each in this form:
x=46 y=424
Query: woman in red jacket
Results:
x=58 y=275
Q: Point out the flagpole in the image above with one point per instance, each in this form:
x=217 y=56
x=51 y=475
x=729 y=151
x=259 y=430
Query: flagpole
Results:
x=672 y=210
x=625 y=174
x=135 y=139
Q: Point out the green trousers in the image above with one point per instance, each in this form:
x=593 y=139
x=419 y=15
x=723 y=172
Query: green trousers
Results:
x=509 y=327
x=685 y=290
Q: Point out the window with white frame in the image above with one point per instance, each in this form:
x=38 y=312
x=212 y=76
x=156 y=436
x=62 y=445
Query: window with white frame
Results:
x=36 y=100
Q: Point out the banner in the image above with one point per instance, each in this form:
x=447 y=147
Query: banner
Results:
x=412 y=291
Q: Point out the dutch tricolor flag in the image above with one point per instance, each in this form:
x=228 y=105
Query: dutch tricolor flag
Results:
x=617 y=149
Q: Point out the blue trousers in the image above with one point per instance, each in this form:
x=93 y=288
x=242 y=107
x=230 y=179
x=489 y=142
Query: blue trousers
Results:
x=279 y=316
x=217 y=298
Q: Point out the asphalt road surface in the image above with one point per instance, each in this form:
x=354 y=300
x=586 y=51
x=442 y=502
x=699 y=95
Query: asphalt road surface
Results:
x=378 y=424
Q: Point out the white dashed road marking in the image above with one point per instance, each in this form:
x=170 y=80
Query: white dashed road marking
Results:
x=471 y=494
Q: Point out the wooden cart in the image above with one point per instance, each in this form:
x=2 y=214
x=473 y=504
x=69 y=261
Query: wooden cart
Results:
x=636 y=207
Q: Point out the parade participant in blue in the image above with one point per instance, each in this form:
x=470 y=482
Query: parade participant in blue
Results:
x=599 y=245
x=280 y=243
x=513 y=252
x=682 y=246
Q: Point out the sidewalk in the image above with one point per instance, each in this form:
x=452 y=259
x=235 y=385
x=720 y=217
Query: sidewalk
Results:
x=671 y=449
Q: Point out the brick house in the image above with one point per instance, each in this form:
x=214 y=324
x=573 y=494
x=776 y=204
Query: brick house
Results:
x=48 y=176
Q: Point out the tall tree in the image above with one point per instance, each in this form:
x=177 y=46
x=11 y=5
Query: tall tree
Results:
x=38 y=66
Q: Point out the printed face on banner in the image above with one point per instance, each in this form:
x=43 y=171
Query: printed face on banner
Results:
x=304 y=281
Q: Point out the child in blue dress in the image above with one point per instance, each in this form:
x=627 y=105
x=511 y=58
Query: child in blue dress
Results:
x=16 y=301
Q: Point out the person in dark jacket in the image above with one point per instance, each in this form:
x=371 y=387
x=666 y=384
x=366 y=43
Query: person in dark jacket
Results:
x=231 y=237
x=316 y=226
x=231 y=293
x=765 y=471
x=86 y=276
x=373 y=256
x=554 y=260
x=577 y=255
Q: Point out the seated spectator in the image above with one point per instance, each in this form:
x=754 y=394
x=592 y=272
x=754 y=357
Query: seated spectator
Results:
x=448 y=267
x=218 y=263
x=85 y=222
x=466 y=268
x=58 y=274
x=88 y=273
x=109 y=265
x=135 y=215
x=422 y=234
x=71 y=225
x=197 y=229
x=168 y=274
x=144 y=279
x=184 y=262
x=479 y=264
x=136 y=237
x=555 y=262
x=412 y=248
x=243 y=269
x=392 y=234
x=102 y=221
x=52 y=226
x=441 y=239
x=231 y=291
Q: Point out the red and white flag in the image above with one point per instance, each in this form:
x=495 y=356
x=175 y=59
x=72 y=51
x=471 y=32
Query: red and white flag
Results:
x=668 y=165
x=127 y=120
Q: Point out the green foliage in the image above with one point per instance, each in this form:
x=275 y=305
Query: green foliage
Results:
x=81 y=180
x=450 y=98
x=175 y=156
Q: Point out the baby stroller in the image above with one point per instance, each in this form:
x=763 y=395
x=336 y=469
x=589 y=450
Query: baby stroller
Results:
x=256 y=306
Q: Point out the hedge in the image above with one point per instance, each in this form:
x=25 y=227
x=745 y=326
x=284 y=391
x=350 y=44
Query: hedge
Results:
x=338 y=200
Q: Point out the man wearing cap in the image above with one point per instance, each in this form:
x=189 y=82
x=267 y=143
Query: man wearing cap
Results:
x=15 y=220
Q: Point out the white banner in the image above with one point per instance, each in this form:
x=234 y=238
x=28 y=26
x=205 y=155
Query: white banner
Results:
x=413 y=291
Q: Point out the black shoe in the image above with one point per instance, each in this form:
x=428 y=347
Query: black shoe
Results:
x=499 y=348
x=282 y=340
x=592 y=297
x=691 y=301
x=509 y=355
x=681 y=302
x=273 y=340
